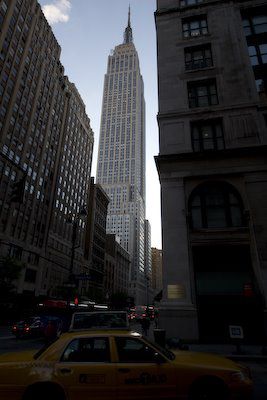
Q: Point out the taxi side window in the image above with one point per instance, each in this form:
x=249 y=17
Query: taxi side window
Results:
x=134 y=350
x=87 y=350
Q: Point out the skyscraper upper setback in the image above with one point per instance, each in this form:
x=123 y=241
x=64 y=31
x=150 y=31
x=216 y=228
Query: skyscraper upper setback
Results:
x=121 y=156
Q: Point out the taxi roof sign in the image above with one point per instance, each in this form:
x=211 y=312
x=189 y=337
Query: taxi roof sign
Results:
x=99 y=320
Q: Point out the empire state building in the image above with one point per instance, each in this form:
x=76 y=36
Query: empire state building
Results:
x=121 y=158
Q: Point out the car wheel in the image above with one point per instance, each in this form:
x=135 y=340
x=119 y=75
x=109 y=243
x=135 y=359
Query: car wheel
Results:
x=209 y=389
x=44 y=392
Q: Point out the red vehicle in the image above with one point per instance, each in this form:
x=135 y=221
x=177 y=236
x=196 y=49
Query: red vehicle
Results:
x=151 y=312
x=30 y=327
x=34 y=326
x=139 y=312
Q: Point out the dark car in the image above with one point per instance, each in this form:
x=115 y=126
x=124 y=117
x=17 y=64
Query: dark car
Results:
x=140 y=312
x=29 y=327
x=34 y=326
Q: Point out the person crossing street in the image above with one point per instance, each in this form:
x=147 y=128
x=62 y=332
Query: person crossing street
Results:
x=145 y=324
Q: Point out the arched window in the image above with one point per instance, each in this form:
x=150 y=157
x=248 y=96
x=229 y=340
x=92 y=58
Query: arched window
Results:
x=216 y=205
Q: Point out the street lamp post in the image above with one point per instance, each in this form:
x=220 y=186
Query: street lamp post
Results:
x=73 y=247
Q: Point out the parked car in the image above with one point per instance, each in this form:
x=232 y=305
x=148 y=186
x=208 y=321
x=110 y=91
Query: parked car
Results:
x=137 y=313
x=29 y=327
x=118 y=364
x=34 y=326
x=150 y=310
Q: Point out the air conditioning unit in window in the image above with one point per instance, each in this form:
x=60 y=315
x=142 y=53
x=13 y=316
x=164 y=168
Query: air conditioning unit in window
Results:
x=196 y=33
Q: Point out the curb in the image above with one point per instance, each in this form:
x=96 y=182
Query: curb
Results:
x=7 y=337
x=247 y=357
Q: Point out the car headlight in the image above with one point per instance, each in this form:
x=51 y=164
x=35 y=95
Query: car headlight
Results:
x=241 y=376
x=238 y=376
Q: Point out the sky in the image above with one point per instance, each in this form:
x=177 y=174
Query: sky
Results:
x=87 y=31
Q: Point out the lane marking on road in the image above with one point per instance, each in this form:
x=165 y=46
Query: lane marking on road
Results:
x=7 y=337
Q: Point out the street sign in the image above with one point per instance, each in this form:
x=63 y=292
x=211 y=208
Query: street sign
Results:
x=236 y=332
x=83 y=277
x=70 y=285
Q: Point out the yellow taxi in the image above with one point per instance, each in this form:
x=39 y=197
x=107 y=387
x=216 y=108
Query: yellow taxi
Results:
x=121 y=365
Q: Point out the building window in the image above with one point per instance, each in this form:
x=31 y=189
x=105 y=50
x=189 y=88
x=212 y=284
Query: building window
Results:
x=87 y=350
x=195 y=27
x=15 y=252
x=216 y=205
x=260 y=85
x=185 y=3
x=258 y=54
x=202 y=93
x=4 y=6
x=207 y=135
x=198 y=57
x=255 y=25
x=131 y=350
x=30 y=275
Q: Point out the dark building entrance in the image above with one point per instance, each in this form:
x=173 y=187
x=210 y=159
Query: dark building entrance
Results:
x=227 y=293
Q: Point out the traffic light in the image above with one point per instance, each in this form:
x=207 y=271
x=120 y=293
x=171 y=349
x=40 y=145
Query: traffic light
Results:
x=17 y=194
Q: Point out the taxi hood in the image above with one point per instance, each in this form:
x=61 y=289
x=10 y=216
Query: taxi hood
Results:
x=26 y=355
x=207 y=360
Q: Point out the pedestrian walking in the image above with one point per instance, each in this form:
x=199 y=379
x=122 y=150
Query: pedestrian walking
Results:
x=50 y=332
x=156 y=318
x=145 y=324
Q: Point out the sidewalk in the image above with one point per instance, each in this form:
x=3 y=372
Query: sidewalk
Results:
x=245 y=352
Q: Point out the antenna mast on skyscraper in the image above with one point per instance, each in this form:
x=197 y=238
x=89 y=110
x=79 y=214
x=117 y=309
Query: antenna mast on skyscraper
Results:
x=128 y=35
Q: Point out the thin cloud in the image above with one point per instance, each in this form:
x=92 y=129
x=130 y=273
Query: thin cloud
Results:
x=58 y=11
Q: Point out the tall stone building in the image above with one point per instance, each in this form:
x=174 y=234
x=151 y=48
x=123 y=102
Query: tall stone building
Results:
x=156 y=270
x=148 y=263
x=212 y=58
x=121 y=156
x=46 y=146
x=117 y=267
x=96 y=241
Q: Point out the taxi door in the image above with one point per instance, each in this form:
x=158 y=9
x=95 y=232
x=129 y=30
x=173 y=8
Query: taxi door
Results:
x=85 y=370
x=141 y=373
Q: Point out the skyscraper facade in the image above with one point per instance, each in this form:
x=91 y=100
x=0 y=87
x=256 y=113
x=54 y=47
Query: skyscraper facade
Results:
x=148 y=263
x=95 y=241
x=121 y=155
x=46 y=143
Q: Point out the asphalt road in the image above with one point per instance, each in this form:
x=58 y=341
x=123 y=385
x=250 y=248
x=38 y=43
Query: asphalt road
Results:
x=259 y=376
x=9 y=343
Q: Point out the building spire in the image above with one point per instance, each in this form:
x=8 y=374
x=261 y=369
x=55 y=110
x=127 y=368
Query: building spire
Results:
x=129 y=16
x=128 y=35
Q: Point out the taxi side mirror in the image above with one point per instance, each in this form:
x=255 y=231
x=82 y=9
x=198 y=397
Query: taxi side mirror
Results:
x=158 y=358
